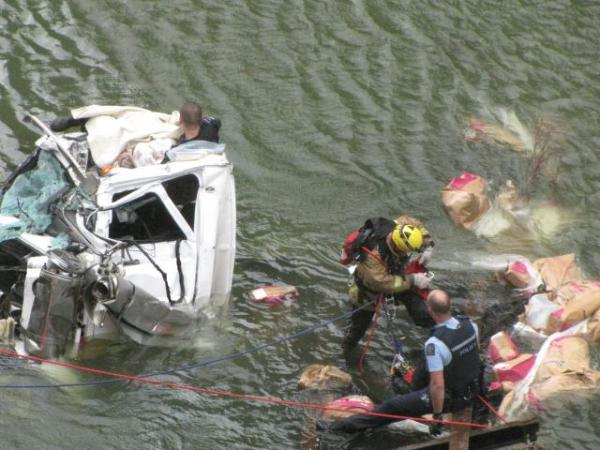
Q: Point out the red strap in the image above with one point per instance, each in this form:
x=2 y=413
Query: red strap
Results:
x=374 y=255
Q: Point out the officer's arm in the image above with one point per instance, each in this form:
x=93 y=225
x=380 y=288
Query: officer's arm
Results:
x=375 y=276
x=436 y=391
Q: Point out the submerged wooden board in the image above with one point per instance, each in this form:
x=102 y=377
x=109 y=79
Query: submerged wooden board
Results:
x=488 y=439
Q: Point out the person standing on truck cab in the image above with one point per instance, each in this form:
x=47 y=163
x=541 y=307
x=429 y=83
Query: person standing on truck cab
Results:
x=195 y=127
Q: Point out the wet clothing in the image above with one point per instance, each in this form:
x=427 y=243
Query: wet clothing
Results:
x=209 y=131
x=380 y=271
x=413 y=404
x=361 y=320
x=461 y=366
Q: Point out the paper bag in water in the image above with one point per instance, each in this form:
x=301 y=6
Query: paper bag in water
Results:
x=579 y=308
x=514 y=370
x=502 y=348
x=566 y=354
x=521 y=274
x=565 y=382
x=465 y=200
x=557 y=270
x=352 y=404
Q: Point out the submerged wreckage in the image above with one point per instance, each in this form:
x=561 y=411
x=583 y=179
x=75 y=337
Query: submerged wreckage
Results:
x=146 y=252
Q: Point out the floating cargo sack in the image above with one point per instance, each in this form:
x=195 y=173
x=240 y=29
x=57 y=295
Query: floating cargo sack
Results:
x=557 y=270
x=522 y=275
x=515 y=370
x=465 y=200
x=565 y=382
x=574 y=289
x=353 y=404
x=319 y=376
x=593 y=327
x=566 y=354
x=274 y=295
x=538 y=311
x=502 y=348
x=578 y=309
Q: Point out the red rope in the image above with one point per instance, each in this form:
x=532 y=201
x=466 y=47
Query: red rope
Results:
x=491 y=408
x=361 y=361
x=256 y=398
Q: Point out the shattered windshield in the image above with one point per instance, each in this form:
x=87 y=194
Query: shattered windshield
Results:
x=29 y=197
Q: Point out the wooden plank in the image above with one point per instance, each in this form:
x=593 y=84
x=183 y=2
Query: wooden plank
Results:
x=488 y=439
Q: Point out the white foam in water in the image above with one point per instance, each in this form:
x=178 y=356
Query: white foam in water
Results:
x=548 y=219
x=492 y=223
x=475 y=261
x=510 y=120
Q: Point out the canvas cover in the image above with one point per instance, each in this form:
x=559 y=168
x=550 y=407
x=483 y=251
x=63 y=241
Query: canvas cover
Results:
x=112 y=129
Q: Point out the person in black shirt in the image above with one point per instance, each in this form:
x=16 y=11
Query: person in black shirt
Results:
x=196 y=127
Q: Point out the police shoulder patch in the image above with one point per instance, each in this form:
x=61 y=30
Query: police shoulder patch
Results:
x=430 y=349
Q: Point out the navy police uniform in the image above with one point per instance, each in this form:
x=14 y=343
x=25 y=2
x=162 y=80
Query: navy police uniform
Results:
x=452 y=347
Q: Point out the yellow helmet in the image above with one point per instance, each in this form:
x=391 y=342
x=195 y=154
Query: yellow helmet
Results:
x=407 y=238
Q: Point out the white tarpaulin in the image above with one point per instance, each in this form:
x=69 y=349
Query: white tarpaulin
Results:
x=113 y=128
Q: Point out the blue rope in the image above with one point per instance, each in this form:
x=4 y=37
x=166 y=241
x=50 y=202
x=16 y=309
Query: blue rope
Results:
x=199 y=365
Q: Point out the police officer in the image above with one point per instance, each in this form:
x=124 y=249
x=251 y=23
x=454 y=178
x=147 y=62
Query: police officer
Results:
x=451 y=380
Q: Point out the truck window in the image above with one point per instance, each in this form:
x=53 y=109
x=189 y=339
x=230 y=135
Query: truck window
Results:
x=183 y=192
x=145 y=220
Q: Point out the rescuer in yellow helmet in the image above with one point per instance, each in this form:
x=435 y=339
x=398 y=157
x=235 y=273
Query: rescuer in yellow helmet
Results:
x=383 y=251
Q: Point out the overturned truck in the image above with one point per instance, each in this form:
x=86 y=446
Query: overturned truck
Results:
x=145 y=252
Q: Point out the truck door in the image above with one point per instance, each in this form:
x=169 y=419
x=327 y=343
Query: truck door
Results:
x=160 y=223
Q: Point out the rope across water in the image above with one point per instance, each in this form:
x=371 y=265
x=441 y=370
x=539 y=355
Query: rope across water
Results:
x=201 y=364
x=220 y=393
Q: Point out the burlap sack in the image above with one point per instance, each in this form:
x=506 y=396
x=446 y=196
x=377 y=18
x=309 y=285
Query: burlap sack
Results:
x=465 y=200
x=502 y=348
x=557 y=270
x=319 y=376
x=567 y=354
x=352 y=404
x=579 y=308
x=569 y=291
x=565 y=382
x=593 y=328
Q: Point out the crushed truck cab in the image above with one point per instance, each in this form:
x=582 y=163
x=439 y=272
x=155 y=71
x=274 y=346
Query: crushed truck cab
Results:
x=146 y=252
